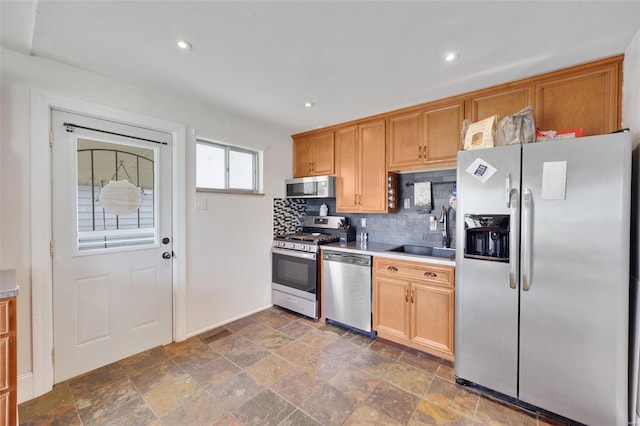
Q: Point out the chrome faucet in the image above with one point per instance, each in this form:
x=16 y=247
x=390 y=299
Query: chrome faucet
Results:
x=444 y=220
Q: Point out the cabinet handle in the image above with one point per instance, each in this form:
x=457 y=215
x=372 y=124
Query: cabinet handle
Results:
x=392 y=269
x=431 y=274
x=411 y=295
x=419 y=152
x=406 y=295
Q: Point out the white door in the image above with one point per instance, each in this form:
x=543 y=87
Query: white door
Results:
x=112 y=278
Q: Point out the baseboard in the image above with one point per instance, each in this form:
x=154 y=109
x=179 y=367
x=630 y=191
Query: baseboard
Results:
x=25 y=387
x=211 y=327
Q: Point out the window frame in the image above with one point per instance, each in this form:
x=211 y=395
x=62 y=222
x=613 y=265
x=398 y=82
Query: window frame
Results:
x=256 y=157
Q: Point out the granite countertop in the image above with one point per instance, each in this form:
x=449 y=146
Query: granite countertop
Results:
x=8 y=283
x=380 y=249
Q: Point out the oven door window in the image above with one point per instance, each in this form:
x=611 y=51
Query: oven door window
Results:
x=302 y=189
x=294 y=272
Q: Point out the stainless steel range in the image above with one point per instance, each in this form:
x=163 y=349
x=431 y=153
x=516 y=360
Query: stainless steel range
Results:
x=295 y=264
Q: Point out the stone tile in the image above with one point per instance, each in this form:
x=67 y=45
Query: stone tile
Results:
x=247 y=355
x=298 y=418
x=493 y=412
x=177 y=349
x=266 y=314
x=428 y=413
x=322 y=366
x=96 y=379
x=420 y=360
x=312 y=322
x=196 y=410
x=295 y=329
x=228 y=420
x=134 y=412
x=334 y=330
x=266 y=408
x=144 y=360
x=211 y=336
x=450 y=395
x=280 y=320
x=341 y=347
x=239 y=324
x=368 y=416
x=59 y=396
x=318 y=338
x=273 y=340
x=94 y=405
x=446 y=372
x=170 y=394
x=355 y=383
x=229 y=343
x=62 y=415
x=196 y=358
x=329 y=406
x=393 y=402
x=214 y=372
x=270 y=369
x=373 y=363
x=297 y=386
x=149 y=378
x=255 y=331
x=234 y=391
x=358 y=339
x=408 y=378
x=386 y=348
x=296 y=352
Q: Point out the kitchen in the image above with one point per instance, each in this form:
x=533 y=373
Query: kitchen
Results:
x=210 y=302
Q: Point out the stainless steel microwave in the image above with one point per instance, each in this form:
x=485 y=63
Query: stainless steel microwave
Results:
x=311 y=187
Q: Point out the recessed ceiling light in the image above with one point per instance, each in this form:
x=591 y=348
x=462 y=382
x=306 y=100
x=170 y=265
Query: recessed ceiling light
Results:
x=451 y=56
x=308 y=104
x=183 y=44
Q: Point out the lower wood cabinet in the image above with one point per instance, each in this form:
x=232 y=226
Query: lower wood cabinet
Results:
x=8 y=362
x=413 y=304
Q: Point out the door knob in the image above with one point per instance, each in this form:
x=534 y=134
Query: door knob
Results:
x=166 y=255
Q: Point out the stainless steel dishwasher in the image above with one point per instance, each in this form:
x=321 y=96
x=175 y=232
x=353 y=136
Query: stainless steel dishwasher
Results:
x=347 y=289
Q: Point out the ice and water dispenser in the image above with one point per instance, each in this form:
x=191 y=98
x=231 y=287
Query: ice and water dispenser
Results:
x=487 y=237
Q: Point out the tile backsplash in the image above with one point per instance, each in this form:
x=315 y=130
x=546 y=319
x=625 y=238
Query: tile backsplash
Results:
x=407 y=226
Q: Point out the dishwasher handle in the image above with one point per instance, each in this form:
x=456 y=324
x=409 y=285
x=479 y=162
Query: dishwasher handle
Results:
x=351 y=259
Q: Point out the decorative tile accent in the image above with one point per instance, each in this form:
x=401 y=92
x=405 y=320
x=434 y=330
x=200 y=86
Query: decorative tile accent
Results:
x=288 y=214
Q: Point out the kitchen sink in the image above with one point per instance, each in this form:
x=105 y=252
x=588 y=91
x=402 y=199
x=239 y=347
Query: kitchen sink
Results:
x=441 y=252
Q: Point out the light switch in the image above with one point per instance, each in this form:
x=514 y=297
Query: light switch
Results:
x=363 y=222
x=407 y=203
x=433 y=223
x=201 y=203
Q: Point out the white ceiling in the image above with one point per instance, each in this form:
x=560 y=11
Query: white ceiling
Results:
x=264 y=59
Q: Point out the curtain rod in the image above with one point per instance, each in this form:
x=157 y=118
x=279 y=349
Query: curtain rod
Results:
x=70 y=126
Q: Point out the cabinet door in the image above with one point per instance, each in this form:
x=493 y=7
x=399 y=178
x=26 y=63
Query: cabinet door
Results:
x=442 y=126
x=589 y=99
x=432 y=313
x=391 y=308
x=302 y=156
x=372 y=183
x=404 y=147
x=323 y=153
x=502 y=103
x=346 y=169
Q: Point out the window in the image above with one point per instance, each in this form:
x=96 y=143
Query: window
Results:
x=225 y=168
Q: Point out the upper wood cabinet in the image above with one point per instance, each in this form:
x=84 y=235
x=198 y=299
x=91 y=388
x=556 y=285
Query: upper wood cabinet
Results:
x=313 y=155
x=587 y=97
x=361 y=178
x=501 y=101
x=425 y=137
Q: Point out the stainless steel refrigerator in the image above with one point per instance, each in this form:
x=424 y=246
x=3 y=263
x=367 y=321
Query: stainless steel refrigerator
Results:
x=542 y=274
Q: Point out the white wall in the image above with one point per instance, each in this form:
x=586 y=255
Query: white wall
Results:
x=228 y=245
x=631 y=89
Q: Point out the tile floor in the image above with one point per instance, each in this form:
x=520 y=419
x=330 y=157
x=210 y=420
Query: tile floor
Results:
x=271 y=368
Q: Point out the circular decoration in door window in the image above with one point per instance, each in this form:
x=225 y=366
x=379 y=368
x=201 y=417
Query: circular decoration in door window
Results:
x=120 y=197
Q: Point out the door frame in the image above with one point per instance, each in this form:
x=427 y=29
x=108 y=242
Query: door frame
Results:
x=42 y=103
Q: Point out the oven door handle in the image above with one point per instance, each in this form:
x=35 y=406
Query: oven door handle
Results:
x=294 y=253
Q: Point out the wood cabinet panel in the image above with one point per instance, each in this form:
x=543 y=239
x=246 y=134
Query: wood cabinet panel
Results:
x=8 y=361
x=587 y=99
x=442 y=128
x=405 y=141
x=313 y=155
x=361 y=178
x=423 y=291
x=501 y=102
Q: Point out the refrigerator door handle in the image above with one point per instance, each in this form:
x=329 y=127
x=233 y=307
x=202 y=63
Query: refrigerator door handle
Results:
x=513 y=238
x=527 y=200
x=508 y=187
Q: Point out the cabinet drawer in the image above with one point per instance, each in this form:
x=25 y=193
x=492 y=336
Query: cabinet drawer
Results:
x=436 y=274
x=4 y=317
